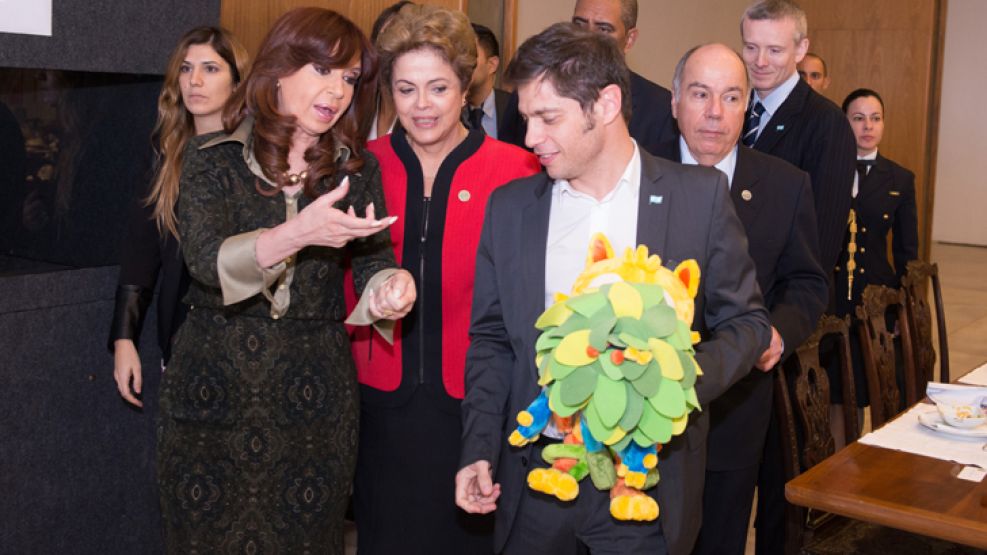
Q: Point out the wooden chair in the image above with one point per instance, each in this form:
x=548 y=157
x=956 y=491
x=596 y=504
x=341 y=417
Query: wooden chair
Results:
x=915 y=284
x=804 y=412
x=802 y=402
x=878 y=349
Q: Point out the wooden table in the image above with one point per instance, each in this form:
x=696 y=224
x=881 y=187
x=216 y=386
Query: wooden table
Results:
x=896 y=489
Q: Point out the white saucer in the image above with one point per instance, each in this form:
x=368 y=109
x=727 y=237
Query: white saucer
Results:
x=933 y=421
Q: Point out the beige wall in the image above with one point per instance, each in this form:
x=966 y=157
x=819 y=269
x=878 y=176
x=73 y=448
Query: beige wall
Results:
x=961 y=170
x=667 y=29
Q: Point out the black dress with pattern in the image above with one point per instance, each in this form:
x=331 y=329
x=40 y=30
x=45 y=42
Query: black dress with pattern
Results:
x=259 y=417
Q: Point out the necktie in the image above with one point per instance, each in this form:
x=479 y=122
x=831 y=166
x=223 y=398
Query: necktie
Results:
x=863 y=170
x=476 y=118
x=753 y=124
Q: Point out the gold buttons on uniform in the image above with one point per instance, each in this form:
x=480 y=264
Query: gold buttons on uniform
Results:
x=746 y=195
x=863 y=230
x=885 y=216
x=464 y=195
x=274 y=316
x=862 y=250
x=863 y=270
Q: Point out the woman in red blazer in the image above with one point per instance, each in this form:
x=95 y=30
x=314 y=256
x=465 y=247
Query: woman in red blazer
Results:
x=437 y=176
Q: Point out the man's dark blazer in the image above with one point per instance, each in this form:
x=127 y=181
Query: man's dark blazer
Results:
x=501 y=99
x=811 y=133
x=780 y=222
x=683 y=212
x=885 y=202
x=651 y=116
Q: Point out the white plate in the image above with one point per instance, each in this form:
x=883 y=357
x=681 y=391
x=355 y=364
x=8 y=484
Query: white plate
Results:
x=934 y=422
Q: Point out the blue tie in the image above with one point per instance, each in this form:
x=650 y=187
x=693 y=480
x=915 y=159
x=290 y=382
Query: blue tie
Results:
x=753 y=124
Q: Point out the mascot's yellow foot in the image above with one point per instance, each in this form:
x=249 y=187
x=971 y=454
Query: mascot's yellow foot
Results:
x=634 y=507
x=635 y=479
x=551 y=481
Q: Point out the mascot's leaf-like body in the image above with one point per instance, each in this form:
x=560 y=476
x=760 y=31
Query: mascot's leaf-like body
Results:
x=616 y=366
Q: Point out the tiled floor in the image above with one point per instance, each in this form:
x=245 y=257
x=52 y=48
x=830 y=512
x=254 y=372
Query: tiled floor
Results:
x=963 y=271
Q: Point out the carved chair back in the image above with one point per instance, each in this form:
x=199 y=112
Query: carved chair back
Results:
x=915 y=284
x=878 y=349
x=802 y=401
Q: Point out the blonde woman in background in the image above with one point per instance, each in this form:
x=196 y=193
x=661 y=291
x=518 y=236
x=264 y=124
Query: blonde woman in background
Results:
x=202 y=73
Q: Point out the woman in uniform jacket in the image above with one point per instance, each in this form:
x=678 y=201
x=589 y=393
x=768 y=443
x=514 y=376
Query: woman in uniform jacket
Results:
x=883 y=202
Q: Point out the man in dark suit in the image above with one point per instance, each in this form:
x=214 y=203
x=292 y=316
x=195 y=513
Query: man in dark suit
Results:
x=485 y=104
x=787 y=119
x=651 y=118
x=533 y=244
x=710 y=90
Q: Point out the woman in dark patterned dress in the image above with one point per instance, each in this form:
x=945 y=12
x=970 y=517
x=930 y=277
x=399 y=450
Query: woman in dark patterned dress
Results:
x=257 y=442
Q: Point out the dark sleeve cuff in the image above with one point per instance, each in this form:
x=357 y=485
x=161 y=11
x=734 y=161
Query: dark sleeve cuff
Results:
x=129 y=310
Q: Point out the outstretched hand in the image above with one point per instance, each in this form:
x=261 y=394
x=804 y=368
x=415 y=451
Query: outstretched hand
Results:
x=320 y=223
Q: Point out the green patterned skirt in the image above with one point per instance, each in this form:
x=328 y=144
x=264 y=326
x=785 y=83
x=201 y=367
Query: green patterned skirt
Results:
x=258 y=435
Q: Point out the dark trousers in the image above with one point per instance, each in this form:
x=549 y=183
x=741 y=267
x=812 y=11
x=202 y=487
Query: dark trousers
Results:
x=546 y=526
x=404 y=498
x=769 y=523
x=727 y=499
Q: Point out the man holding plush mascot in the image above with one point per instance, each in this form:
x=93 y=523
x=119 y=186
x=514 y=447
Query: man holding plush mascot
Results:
x=573 y=87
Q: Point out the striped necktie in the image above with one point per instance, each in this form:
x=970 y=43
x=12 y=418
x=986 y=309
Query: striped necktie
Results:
x=753 y=124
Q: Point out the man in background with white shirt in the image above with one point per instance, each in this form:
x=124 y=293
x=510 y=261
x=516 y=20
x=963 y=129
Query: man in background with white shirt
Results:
x=573 y=86
x=774 y=202
x=787 y=119
x=485 y=104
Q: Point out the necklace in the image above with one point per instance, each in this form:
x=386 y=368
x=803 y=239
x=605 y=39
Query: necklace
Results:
x=294 y=178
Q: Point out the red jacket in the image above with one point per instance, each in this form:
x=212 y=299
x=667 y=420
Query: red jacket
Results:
x=460 y=191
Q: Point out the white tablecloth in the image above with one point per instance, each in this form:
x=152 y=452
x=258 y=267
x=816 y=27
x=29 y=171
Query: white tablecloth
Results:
x=977 y=376
x=905 y=433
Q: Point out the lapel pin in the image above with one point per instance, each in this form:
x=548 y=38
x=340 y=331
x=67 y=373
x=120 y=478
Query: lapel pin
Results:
x=780 y=128
x=464 y=195
x=746 y=195
x=655 y=199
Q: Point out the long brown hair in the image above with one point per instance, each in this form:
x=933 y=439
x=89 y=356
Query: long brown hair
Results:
x=300 y=37
x=175 y=125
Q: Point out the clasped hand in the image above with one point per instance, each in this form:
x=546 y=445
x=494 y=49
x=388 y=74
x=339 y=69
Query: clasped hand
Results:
x=393 y=299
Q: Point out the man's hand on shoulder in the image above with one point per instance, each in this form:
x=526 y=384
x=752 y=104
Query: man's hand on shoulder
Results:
x=475 y=490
